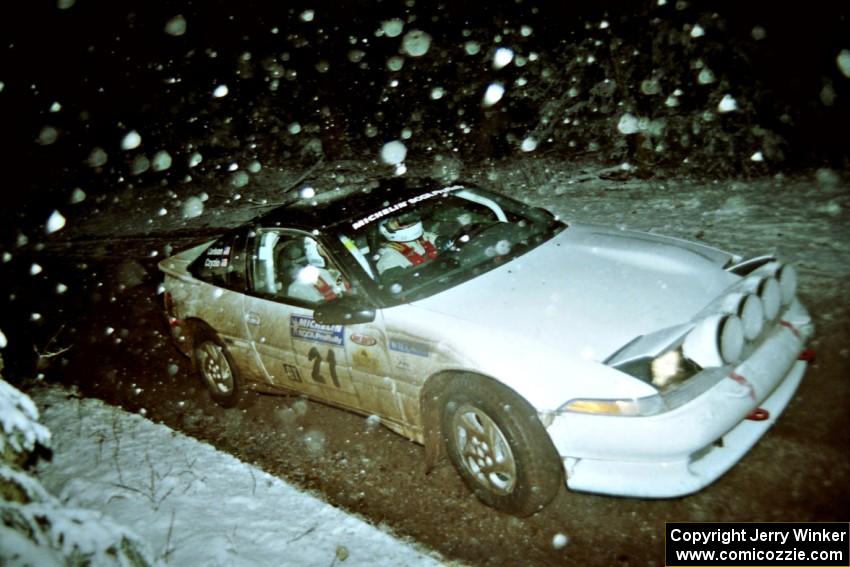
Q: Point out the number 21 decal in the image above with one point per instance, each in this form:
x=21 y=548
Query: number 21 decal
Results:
x=316 y=358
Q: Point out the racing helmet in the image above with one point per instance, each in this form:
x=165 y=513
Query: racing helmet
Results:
x=312 y=253
x=402 y=228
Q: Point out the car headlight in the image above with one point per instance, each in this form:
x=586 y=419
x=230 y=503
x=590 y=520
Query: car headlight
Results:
x=748 y=307
x=768 y=290
x=633 y=407
x=715 y=341
x=786 y=275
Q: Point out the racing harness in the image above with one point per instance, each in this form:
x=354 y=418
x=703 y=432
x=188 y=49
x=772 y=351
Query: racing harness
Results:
x=327 y=289
x=411 y=255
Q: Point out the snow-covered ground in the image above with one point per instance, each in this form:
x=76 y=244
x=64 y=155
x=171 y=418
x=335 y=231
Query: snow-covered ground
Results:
x=193 y=504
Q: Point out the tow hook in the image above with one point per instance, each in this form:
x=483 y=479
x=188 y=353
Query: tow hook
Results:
x=808 y=355
x=758 y=414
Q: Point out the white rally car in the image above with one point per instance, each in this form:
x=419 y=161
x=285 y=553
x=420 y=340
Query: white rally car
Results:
x=530 y=350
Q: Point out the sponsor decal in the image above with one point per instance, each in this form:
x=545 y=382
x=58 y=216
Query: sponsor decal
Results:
x=219 y=251
x=306 y=328
x=401 y=205
x=409 y=347
x=364 y=340
x=217 y=257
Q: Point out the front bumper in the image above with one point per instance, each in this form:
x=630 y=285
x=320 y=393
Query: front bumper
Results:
x=683 y=450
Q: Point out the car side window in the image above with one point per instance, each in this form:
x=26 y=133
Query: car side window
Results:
x=295 y=267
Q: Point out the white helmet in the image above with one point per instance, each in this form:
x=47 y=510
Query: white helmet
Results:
x=311 y=252
x=402 y=228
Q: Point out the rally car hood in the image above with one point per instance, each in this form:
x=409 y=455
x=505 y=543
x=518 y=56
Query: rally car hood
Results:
x=590 y=290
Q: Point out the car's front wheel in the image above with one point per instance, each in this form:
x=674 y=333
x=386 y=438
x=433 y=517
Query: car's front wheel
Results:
x=216 y=369
x=498 y=445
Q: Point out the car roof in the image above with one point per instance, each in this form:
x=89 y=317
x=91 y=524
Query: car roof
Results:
x=335 y=206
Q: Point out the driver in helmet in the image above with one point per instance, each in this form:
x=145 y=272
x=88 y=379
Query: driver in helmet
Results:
x=317 y=281
x=407 y=244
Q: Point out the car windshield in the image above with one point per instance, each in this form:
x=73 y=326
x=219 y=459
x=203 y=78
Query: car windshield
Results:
x=428 y=243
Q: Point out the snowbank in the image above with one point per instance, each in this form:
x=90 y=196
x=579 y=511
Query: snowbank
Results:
x=37 y=529
x=193 y=504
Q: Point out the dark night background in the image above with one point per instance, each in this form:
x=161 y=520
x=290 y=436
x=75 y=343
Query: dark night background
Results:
x=113 y=68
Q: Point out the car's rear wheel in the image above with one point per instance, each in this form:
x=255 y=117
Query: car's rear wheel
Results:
x=216 y=369
x=498 y=445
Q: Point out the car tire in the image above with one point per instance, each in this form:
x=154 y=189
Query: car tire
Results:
x=498 y=446
x=216 y=369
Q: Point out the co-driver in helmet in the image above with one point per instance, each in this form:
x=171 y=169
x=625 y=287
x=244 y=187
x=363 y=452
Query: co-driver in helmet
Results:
x=318 y=281
x=406 y=242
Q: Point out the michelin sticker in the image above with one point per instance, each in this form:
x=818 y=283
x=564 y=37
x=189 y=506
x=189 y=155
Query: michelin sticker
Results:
x=306 y=328
x=398 y=206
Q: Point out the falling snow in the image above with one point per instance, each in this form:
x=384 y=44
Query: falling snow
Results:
x=176 y=26
x=240 y=179
x=416 y=43
x=192 y=207
x=47 y=136
x=529 y=144
x=161 y=161
x=559 y=541
x=131 y=140
x=502 y=57
x=395 y=63
x=140 y=164
x=628 y=124
x=97 y=157
x=727 y=104
x=55 y=222
x=472 y=47
x=392 y=28
x=77 y=196
x=650 y=87
x=843 y=61
x=393 y=153
x=493 y=94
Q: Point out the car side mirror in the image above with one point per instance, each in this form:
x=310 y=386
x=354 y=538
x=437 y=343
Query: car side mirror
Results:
x=344 y=311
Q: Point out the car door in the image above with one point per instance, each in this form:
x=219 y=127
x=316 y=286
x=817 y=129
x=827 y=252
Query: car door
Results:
x=296 y=352
x=346 y=365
